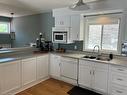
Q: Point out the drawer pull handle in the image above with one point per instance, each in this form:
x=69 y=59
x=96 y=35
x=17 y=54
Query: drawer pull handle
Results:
x=120 y=69
x=119 y=91
x=120 y=79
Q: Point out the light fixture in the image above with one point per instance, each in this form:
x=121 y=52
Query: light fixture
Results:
x=12 y=33
x=103 y=20
x=79 y=6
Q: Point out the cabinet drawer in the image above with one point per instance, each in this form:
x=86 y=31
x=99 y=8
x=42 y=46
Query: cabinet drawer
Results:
x=119 y=79
x=86 y=63
x=118 y=90
x=101 y=65
x=119 y=69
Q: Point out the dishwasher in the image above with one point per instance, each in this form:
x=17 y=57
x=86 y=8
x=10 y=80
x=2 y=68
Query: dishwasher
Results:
x=69 y=70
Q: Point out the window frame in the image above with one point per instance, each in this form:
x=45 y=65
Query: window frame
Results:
x=120 y=34
x=9 y=27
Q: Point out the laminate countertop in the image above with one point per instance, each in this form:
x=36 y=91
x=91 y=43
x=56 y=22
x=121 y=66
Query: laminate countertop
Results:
x=115 y=61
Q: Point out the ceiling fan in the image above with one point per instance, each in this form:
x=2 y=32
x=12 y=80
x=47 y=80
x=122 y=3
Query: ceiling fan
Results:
x=80 y=5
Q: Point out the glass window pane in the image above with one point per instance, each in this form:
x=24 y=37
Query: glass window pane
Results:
x=4 y=28
x=110 y=36
x=94 y=36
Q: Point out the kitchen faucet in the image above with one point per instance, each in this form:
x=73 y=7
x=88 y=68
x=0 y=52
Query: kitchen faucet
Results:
x=98 y=51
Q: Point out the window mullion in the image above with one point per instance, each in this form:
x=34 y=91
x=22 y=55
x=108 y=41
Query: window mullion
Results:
x=102 y=36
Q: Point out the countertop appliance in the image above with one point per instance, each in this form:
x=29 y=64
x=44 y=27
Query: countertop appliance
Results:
x=60 y=35
x=124 y=48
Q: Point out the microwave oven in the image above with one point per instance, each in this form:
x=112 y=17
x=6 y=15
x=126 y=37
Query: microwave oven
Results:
x=60 y=35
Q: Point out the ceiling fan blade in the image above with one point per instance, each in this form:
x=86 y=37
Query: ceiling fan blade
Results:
x=79 y=6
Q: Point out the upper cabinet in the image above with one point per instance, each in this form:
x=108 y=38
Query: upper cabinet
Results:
x=73 y=23
x=62 y=21
x=75 y=27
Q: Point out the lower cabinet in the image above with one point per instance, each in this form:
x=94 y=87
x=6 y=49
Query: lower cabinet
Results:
x=10 y=74
x=93 y=75
x=42 y=66
x=55 y=66
x=28 y=70
x=118 y=80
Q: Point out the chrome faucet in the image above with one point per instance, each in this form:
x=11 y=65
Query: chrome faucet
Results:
x=98 y=51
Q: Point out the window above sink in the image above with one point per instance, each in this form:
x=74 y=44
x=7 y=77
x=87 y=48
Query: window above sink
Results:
x=103 y=30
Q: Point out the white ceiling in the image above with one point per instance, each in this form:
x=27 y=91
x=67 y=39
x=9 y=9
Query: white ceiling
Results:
x=28 y=7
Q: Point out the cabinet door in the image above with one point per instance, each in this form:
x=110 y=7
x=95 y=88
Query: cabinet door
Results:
x=100 y=80
x=28 y=70
x=42 y=66
x=10 y=76
x=55 y=66
x=62 y=21
x=85 y=75
x=75 y=27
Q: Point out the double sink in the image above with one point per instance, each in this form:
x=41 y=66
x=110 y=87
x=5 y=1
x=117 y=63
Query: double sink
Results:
x=96 y=58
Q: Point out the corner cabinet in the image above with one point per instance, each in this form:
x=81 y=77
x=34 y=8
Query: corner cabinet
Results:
x=28 y=70
x=10 y=73
x=55 y=66
x=93 y=75
x=42 y=66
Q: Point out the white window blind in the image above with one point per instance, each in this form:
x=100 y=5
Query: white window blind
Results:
x=105 y=34
x=94 y=35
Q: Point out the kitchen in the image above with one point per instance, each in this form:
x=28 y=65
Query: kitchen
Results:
x=61 y=50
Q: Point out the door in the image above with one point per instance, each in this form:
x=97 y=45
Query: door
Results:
x=100 y=80
x=55 y=66
x=10 y=76
x=28 y=70
x=42 y=66
x=85 y=76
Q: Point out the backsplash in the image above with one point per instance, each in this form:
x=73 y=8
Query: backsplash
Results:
x=78 y=44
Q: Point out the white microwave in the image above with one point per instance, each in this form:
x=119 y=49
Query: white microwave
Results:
x=60 y=35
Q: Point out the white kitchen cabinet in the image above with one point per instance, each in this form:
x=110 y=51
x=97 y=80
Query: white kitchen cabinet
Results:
x=42 y=66
x=85 y=76
x=100 y=81
x=75 y=27
x=69 y=68
x=93 y=75
x=55 y=66
x=28 y=70
x=118 y=80
x=72 y=22
x=10 y=76
x=62 y=21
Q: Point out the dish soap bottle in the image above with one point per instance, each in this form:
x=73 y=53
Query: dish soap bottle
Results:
x=110 y=56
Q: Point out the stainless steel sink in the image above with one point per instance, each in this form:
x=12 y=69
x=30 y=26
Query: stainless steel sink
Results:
x=97 y=58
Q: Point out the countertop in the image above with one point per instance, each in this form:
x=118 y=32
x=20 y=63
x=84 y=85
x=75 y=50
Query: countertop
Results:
x=115 y=61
